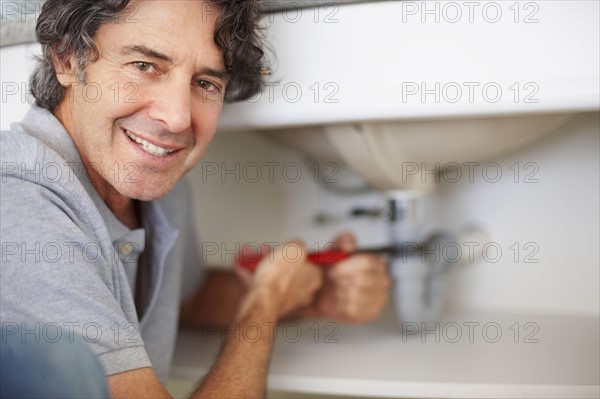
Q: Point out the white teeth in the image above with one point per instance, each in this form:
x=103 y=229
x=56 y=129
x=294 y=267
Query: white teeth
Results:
x=148 y=147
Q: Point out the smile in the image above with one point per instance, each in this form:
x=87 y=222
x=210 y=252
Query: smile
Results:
x=148 y=147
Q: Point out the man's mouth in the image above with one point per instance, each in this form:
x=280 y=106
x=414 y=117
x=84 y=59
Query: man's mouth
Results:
x=148 y=147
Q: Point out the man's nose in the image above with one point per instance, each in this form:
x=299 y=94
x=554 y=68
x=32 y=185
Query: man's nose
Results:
x=172 y=105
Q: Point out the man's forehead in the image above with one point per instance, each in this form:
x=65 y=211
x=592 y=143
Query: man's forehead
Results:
x=169 y=30
x=204 y=11
x=187 y=18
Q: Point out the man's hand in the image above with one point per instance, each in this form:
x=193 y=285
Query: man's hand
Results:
x=287 y=275
x=283 y=282
x=356 y=289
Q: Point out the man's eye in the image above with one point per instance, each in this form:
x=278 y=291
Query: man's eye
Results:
x=142 y=66
x=208 y=86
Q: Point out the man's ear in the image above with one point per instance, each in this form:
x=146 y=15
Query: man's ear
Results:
x=66 y=69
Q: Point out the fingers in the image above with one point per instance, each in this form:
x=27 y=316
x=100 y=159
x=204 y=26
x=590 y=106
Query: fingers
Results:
x=291 y=280
x=359 y=288
x=288 y=255
x=361 y=265
x=362 y=286
x=361 y=304
x=345 y=241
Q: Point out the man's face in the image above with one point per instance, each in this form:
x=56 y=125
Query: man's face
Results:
x=151 y=101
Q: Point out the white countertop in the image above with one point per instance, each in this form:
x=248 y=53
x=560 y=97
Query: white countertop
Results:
x=375 y=360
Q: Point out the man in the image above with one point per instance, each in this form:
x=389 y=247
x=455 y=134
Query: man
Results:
x=128 y=97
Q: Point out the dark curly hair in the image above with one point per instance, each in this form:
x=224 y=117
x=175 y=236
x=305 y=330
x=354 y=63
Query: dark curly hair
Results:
x=67 y=27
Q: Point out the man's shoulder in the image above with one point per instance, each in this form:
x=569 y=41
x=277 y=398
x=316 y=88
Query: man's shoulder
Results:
x=32 y=164
x=31 y=157
x=16 y=145
x=36 y=178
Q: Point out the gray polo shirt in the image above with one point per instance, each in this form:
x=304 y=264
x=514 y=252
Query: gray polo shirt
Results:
x=69 y=266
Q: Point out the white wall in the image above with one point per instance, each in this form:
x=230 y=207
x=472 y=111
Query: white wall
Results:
x=559 y=214
x=16 y=64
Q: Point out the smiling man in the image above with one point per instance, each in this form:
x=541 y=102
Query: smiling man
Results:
x=128 y=95
x=165 y=57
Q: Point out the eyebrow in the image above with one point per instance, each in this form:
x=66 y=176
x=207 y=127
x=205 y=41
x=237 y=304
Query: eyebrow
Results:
x=148 y=52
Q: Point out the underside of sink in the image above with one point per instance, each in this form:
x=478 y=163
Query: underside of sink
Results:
x=394 y=155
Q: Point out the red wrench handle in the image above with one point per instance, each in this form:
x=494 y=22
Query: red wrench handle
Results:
x=321 y=258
